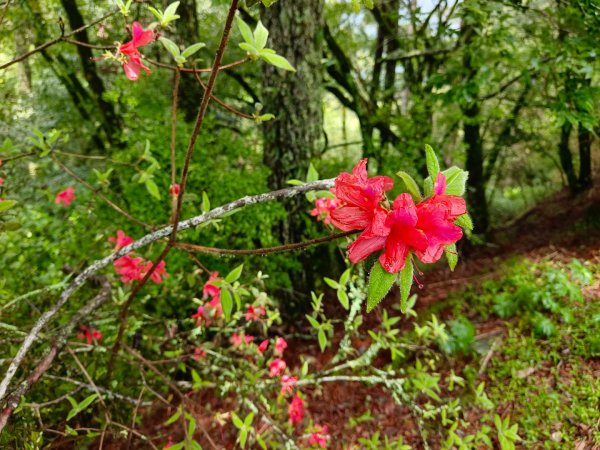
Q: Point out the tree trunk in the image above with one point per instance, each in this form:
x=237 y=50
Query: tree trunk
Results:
x=111 y=122
x=190 y=92
x=295 y=99
x=476 y=197
x=566 y=160
x=585 y=159
x=474 y=165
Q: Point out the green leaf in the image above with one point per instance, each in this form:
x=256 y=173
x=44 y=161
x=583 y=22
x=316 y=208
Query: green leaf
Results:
x=380 y=282
x=236 y=420
x=343 y=298
x=205 y=202
x=322 y=339
x=406 y=281
x=156 y=13
x=152 y=188
x=243 y=437
x=261 y=35
x=192 y=49
x=345 y=276
x=7 y=204
x=249 y=48
x=277 y=61
x=331 y=283
x=411 y=185
x=456 y=180
x=171 y=46
x=312 y=174
x=433 y=166
x=451 y=256
x=226 y=302
x=169 y=13
x=234 y=274
x=173 y=418
x=248 y=420
x=313 y=321
x=295 y=182
x=464 y=221
x=245 y=31
x=87 y=401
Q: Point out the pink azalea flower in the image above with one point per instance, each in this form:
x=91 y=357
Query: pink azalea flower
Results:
x=253 y=313
x=296 y=410
x=319 y=436
x=209 y=289
x=361 y=196
x=280 y=345
x=263 y=346
x=435 y=218
x=372 y=239
x=130 y=268
x=324 y=206
x=169 y=443
x=1 y=181
x=276 y=367
x=158 y=273
x=65 y=197
x=215 y=305
x=287 y=384
x=140 y=37
x=122 y=240
x=174 y=190
x=239 y=339
x=90 y=335
x=404 y=234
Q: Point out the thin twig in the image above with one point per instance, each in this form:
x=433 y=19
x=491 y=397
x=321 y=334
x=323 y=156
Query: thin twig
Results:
x=221 y=102
x=173 y=135
x=263 y=251
x=185 y=69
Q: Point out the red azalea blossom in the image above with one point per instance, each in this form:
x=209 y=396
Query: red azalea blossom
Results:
x=1 y=181
x=209 y=289
x=263 y=346
x=276 y=367
x=296 y=410
x=372 y=239
x=90 y=335
x=239 y=339
x=404 y=234
x=174 y=190
x=435 y=218
x=129 y=267
x=319 y=436
x=140 y=37
x=280 y=345
x=122 y=240
x=169 y=443
x=287 y=384
x=361 y=196
x=65 y=197
x=133 y=268
x=253 y=313
x=324 y=207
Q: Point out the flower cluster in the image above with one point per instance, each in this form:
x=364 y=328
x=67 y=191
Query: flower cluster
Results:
x=132 y=62
x=89 y=334
x=134 y=268
x=425 y=228
x=324 y=206
x=212 y=309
